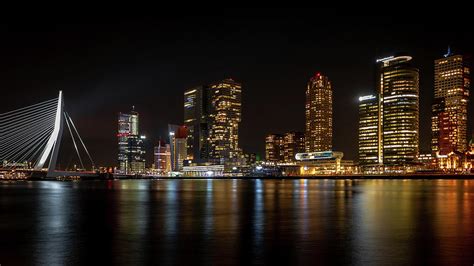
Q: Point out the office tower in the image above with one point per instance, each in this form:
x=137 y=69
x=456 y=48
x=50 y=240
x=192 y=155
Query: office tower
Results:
x=450 y=105
x=178 y=137
x=399 y=89
x=131 y=154
x=196 y=119
x=370 y=148
x=274 y=148
x=225 y=117
x=162 y=157
x=294 y=142
x=137 y=154
x=318 y=114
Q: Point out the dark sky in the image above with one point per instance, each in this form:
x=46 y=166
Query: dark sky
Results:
x=106 y=65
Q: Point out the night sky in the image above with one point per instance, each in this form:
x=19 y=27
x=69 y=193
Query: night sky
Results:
x=106 y=65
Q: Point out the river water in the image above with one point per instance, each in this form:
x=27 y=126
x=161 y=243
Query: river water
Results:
x=226 y=222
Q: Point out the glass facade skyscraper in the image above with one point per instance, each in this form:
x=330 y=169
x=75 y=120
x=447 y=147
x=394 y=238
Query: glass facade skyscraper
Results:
x=389 y=120
x=196 y=118
x=369 y=130
x=162 y=157
x=225 y=116
x=178 y=138
x=131 y=153
x=318 y=136
x=450 y=106
x=399 y=89
x=212 y=114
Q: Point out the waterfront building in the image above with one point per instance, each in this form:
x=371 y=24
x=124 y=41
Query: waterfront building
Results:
x=131 y=155
x=318 y=135
x=225 y=116
x=162 y=157
x=399 y=92
x=450 y=105
x=370 y=148
x=136 y=153
x=321 y=163
x=388 y=134
x=274 y=148
x=282 y=148
x=212 y=114
x=425 y=158
x=203 y=170
x=178 y=138
x=456 y=161
x=250 y=158
x=293 y=143
x=426 y=162
x=197 y=107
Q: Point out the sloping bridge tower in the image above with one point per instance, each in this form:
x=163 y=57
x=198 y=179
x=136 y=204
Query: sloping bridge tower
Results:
x=52 y=146
x=30 y=137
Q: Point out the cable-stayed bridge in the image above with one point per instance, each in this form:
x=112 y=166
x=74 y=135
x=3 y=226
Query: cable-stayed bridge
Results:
x=30 y=139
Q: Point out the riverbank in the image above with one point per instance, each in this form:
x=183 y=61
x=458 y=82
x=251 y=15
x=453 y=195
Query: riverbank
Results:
x=359 y=177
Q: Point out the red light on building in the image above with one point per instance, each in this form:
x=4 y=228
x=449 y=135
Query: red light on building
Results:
x=182 y=132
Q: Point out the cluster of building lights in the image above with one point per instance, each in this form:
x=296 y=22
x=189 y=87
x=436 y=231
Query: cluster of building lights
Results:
x=388 y=133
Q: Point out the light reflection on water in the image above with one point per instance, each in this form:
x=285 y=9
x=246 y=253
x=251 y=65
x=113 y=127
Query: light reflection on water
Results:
x=238 y=221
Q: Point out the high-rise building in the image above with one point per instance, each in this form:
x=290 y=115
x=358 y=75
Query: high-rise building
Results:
x=274 y=148
x=131 y=154
x=399 y=90
x=136 y=154
x=196 y=118
x=212 y=114
x=318 y=136
x=370 y=149
x=178 y=137
x=162 y=157
x=450 y=105
x=293 y=142
x=225 y=117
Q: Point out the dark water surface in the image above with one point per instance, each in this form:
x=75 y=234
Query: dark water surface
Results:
x=221 y=222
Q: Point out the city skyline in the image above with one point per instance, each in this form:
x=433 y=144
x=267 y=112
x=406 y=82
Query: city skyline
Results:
x=272 y=98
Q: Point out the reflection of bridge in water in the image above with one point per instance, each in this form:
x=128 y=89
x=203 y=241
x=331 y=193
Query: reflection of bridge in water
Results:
x=30 y=138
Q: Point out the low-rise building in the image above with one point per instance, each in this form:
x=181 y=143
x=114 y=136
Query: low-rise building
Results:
x=321 y=163
x=203 y=170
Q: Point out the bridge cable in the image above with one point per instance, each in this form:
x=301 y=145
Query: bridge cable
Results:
x=82 y=142
x=73 y=141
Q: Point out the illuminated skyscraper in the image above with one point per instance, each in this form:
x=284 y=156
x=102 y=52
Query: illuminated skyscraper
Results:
x=225 y=117
x=369 y=131
x=131 y=154
x=399 y=89
x=449 y=119
x=283 y=148
x=162 y=157
x=318 y=114
x=178 y=137
x=196 y=118
x=212 y=114
x=294 y=142
x=136 y=152
x=274 y=148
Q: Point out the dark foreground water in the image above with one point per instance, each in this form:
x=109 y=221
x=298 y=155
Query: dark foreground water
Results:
x=221 y=222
